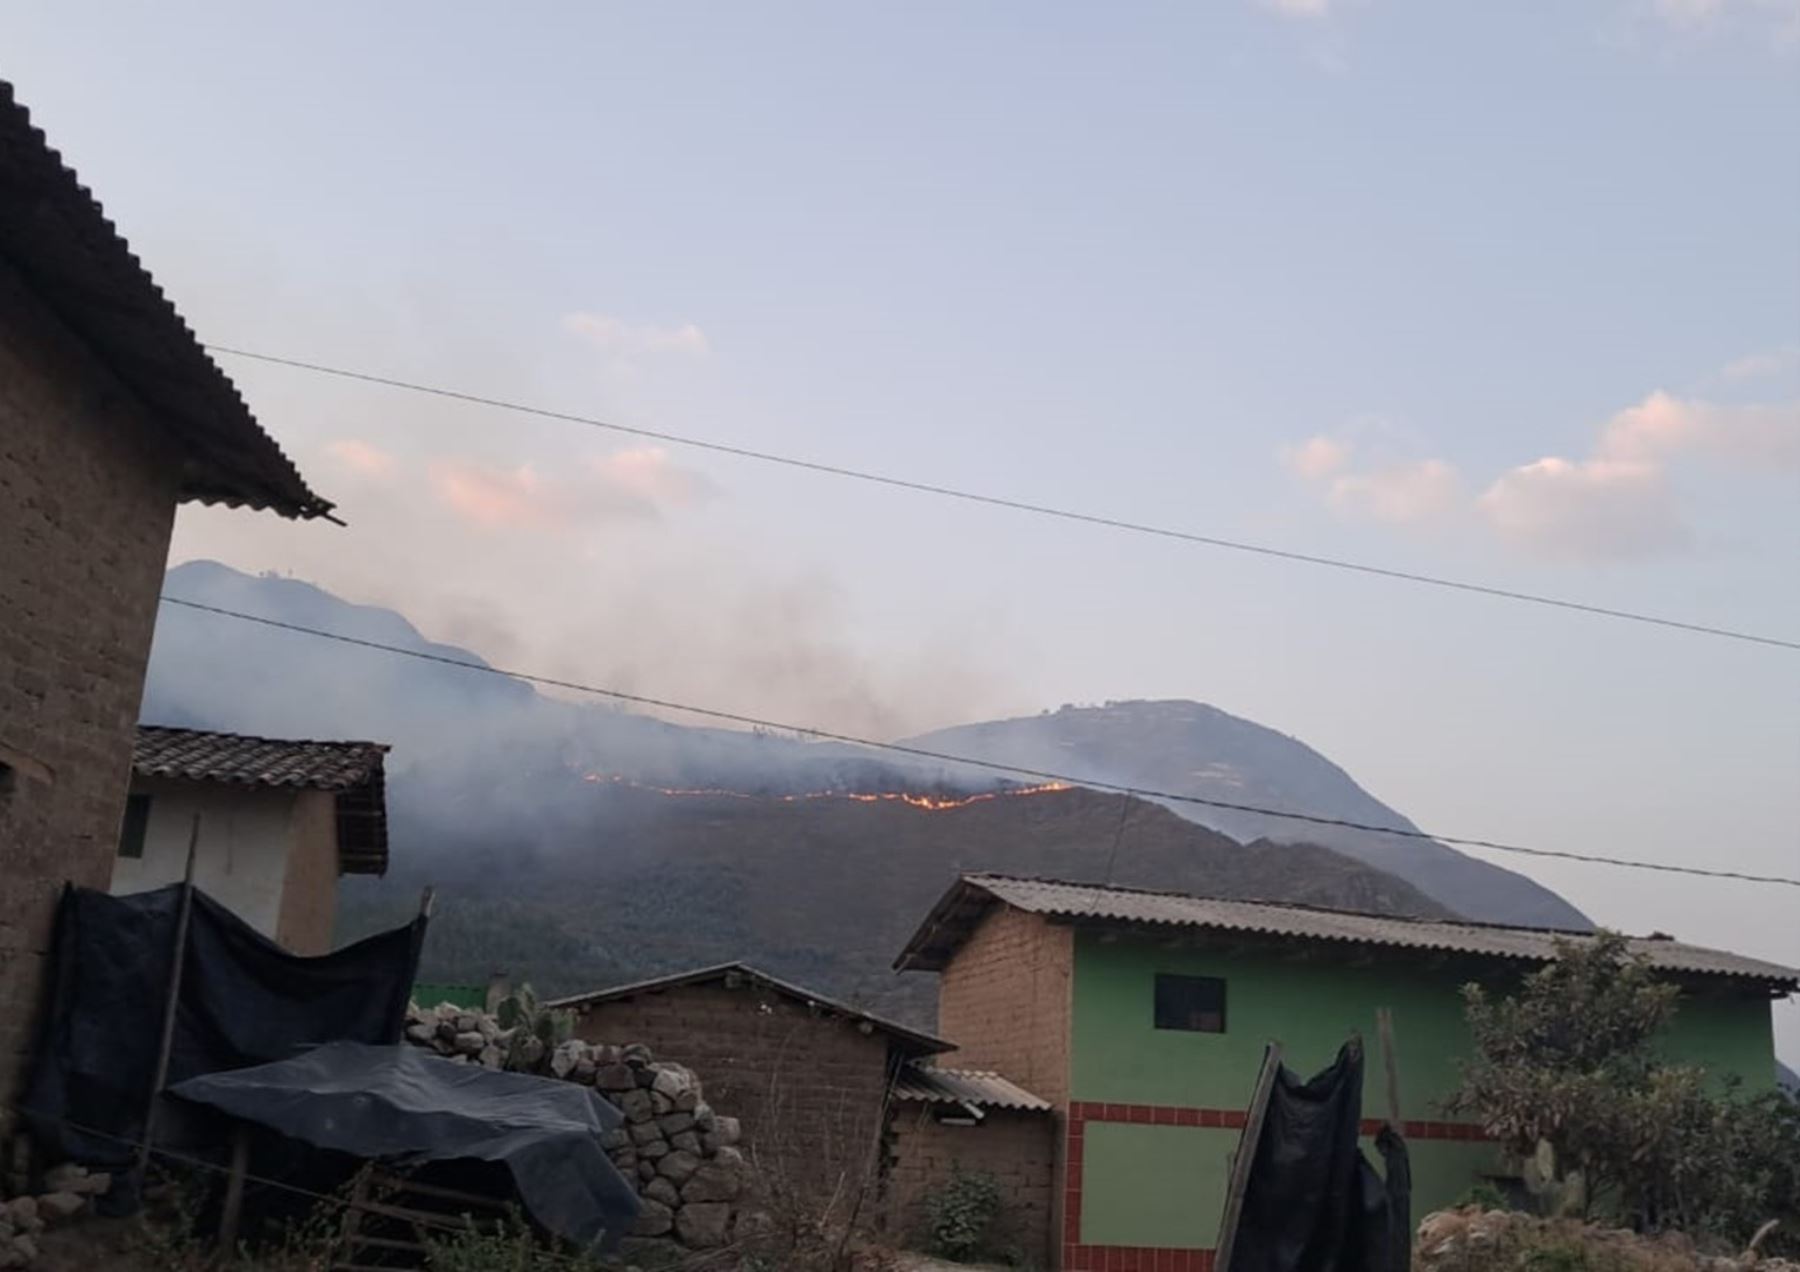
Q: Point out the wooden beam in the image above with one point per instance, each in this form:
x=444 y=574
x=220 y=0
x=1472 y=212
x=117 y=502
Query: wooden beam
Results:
x=1384 y=1025
x=1245 y=1157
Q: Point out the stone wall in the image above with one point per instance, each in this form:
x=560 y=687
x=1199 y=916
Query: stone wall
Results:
x=1016 y=1147
x=806 y=1086
x=681 y=1156
x=87 y=501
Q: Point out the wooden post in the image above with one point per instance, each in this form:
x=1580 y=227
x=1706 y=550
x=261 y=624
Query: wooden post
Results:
x=1242 y=1160
x=1384 y=1024
x=177 y=965
x=234 y=1189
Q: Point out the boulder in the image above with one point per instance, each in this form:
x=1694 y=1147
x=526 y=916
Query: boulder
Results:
x=686 y=1141
x=713 y=1182
x=653 y=1150
x=660 y=1189
x=646 y=1171
x=58 y=1207
x=22 y=1214
x=491 y=1057
x=661 y=1103
x=469 y=1042
x=25 y=1250
x=654 y=1218
x=636 y=1054
x=671 y=1080
x=674 y=1123
x=618 y=1137
x=635 y=1105
x=689 y=1100
x=644 y=1132
x=616 y=1077
x=703 y=1225
x=678 y=1165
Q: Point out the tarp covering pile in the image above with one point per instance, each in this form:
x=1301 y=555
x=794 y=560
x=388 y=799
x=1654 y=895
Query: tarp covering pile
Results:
x=244 y=1001
x=1313 y=1202
x=402 y=1102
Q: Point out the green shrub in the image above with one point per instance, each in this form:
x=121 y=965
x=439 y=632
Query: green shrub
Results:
x=960 y=1215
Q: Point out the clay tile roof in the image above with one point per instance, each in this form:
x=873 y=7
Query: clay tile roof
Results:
x=54 y=235
x=956 y=914
x=355 y=771
x=981 y=1088
x=911 y=1040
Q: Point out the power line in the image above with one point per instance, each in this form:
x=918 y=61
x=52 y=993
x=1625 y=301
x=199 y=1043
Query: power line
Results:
x=1020 y=505
x=1014 y=770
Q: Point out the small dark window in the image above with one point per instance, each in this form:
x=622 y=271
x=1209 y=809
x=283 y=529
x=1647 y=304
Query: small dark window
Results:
x=1194 y=1003
x=137 y=821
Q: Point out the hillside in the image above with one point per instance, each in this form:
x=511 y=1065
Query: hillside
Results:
x=1190 y=748
x=825 y=890
x=575 y=882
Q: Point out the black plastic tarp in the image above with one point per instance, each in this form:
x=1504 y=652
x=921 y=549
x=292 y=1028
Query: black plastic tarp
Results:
x=244 y=1001
x=406 y=1105
x=1313 y=1202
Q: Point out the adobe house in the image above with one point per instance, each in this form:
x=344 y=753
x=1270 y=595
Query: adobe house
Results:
x=943 y=1119
x=279 y=822
x=1141 y=1017
x=111 y=414
x=806 y=1077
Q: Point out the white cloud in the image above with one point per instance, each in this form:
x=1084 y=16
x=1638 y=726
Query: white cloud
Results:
x=1299 y=8
x=1662 y=426
x=625 y=341
x=1775 y=20
x=1316 y=457
x=1598 y=508
x=363 y=458
x=1400 y=494
x=1755 y=366
x=1618 y=503
x=633 y=484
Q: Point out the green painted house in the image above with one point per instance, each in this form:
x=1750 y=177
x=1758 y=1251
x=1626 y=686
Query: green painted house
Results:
x=1142 y=1017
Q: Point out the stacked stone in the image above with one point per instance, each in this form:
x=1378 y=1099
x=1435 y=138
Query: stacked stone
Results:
x=682 y=1157
x=68 y=1192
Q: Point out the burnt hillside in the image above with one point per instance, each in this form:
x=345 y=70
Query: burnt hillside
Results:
x=823 y=890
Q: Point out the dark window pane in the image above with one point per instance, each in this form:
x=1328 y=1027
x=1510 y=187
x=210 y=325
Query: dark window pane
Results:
x=1194 y=1003
x=137 y=821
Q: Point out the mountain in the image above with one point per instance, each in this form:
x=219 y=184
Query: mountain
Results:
x=1188 y=748
x=630 y=881
x=564 y=850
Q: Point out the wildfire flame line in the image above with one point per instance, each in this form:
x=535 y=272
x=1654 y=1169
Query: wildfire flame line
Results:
x=932 y=803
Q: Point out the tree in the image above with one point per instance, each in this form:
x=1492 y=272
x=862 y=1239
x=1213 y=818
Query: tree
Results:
x=1570 y=1061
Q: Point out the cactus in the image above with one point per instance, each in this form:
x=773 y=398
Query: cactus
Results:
x=1556 y=1196
x=533 y=1031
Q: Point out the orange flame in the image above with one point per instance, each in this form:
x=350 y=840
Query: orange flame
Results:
x=931 y=803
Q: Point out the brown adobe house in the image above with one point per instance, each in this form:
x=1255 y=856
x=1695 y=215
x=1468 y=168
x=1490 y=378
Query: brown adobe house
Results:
x=806 y=1076
x=111 y=414
x=279 y=822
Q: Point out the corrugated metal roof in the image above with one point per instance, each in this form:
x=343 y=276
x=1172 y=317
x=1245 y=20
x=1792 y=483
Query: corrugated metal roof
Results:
x=355 y=771
x=982 y=1088
x=955 y=915
x=54 y=234
x=913 y=1039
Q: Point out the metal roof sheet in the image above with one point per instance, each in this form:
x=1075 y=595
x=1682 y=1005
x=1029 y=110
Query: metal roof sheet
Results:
x=955 y=915
x=913 y=1039
x=55 y=236
x=354 y=771
x=982 y=1088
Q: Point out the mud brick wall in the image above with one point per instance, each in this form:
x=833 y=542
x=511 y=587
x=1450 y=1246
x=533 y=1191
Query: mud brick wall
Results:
x=1017 y=1148
x=1004 y=1000
x=87 y=500
x=806 y=1086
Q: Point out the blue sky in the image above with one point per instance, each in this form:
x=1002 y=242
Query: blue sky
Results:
x=1505 y=292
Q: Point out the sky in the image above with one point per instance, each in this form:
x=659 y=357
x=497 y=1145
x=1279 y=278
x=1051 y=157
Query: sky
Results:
x=1507 y=293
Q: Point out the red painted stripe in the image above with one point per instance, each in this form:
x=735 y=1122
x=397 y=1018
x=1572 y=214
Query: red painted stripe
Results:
x=1083 y=1112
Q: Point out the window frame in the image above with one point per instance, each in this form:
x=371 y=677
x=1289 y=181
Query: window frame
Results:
x=134 y=827
x=1185 y=984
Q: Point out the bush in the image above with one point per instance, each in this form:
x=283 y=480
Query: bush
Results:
x=1566 y=1071
x=960 y=1215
